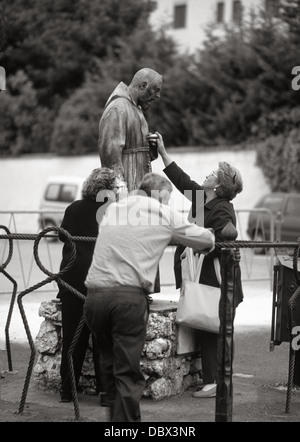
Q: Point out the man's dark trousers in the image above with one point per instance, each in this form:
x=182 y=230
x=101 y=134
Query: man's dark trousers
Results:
x=117 y=317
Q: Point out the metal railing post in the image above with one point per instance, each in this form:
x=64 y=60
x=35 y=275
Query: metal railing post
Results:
x=13 y=298
x=224 y=396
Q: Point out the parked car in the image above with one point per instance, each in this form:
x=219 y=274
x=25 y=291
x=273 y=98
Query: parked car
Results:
x=284 y=205
x=59 y=192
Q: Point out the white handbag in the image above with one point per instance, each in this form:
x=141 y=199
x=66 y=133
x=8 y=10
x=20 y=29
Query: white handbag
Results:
x=198 y=305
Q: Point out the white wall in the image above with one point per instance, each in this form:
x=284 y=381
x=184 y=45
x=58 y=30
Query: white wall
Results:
x=199 y=14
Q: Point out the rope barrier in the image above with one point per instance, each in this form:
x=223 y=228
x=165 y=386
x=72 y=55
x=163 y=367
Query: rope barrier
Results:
x=51 y=277
x=229 y=244
x=64 y=236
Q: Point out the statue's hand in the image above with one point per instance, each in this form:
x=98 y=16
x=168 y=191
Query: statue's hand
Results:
x=152 y=142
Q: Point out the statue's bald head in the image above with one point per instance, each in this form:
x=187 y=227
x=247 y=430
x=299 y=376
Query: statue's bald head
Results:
x=145 y=74
x=145 y=87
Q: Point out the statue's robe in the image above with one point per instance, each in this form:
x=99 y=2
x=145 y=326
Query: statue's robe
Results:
x=122 y=142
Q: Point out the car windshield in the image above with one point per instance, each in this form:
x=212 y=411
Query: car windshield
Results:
x=293 y=207
x=272 y=202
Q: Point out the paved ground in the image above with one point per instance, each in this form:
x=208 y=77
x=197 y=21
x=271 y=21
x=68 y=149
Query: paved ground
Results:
x=259 y=392
x=258 y=386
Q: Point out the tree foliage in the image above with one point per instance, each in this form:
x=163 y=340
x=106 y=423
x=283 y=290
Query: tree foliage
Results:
x=26 y=124
x=64 y=57
x=279 y=158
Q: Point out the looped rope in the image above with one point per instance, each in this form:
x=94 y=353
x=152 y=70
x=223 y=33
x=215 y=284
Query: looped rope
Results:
x=69 y=240
x=51 y=277
x=10 y=250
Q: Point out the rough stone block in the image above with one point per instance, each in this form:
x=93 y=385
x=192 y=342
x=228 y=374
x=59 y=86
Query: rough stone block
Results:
x=165 y=372
x=48 y=340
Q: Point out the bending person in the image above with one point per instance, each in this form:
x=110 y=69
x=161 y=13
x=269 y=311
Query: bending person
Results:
x=219 y=188
x=131 y=240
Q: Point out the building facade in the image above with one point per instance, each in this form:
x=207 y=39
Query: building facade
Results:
x=186 y=20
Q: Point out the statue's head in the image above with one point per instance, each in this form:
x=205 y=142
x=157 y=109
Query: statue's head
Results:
x=145 y=87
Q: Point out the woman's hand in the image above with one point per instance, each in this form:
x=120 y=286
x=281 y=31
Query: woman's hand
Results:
x=160 y=144
x=162 y=150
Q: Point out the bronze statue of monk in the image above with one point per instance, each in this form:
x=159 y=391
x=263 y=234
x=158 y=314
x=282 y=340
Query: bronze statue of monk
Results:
x=123 y=129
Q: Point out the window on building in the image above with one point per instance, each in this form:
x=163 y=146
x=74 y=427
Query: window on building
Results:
x=237 y=11
x=220 y=12
x=179 y=16
x=272 y=7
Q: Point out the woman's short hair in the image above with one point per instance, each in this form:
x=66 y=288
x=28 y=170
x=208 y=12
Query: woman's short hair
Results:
x=230 y=181
x=99 y=179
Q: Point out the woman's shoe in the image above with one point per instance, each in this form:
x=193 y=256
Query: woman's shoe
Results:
x=208 y=391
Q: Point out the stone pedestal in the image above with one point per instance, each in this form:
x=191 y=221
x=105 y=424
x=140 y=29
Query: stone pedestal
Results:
x=166 y=373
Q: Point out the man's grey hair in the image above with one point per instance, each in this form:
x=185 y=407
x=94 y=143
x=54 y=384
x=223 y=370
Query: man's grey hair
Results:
x=154 y=181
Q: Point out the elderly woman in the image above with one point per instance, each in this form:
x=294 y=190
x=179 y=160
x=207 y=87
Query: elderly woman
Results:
x=220 y=187
x=81 y=218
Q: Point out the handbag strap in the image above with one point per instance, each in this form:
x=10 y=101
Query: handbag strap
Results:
x=198 y=268
x=218 y=270
x=195 y=263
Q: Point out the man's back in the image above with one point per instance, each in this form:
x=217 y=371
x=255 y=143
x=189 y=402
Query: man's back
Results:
x=132 y=238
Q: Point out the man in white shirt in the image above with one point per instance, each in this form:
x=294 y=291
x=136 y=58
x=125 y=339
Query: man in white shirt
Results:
x=133 y=235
